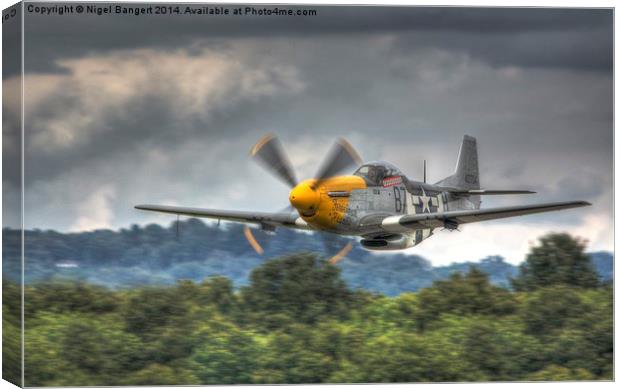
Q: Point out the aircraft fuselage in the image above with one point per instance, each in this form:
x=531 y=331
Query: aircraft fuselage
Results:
x=348 y=205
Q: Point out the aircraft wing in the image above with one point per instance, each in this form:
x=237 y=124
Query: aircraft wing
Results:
x=472 y=192
x=452 y=219
x=285 y=219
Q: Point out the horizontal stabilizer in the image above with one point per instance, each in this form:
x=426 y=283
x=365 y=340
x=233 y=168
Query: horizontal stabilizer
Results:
x=472 y=192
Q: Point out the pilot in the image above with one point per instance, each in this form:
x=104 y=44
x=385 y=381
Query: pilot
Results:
x=380 y=174
x=376 y=174
x=372 y=175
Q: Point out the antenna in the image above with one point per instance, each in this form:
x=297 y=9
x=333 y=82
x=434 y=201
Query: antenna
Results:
x=425 y=171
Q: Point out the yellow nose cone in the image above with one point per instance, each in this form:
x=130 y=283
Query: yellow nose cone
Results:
x=304 y=199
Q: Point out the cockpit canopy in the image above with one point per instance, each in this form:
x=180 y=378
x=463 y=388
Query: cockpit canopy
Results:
x=375 y=172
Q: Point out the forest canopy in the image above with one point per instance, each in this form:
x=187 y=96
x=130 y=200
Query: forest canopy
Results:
x=297 y=321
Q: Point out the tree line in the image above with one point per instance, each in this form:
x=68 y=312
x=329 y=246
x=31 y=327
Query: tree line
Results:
x=297 y=321
x=157 y=255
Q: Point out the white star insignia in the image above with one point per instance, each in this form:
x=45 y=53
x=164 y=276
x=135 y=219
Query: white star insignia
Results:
x=425 y=200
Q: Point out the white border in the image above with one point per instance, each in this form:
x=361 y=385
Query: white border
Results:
x=475 y=3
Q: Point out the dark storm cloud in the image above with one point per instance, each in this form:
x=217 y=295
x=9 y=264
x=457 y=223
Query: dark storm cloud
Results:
x=11 y=42
x=564 y=38
x=11 y=119
x=151 y=117
x=142 y=124
x=348 y=87
x=577 y=49
x=147 y=121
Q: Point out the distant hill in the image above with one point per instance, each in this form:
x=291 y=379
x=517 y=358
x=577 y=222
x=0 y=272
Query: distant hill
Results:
x=156 y=255
x=603 y=262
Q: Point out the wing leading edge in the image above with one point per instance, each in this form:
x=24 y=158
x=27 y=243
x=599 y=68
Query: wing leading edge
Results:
x=452 y=219
x=285 y=219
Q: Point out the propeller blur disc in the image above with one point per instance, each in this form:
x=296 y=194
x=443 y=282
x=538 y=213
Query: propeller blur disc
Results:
x=340 y=157
x=268 y=151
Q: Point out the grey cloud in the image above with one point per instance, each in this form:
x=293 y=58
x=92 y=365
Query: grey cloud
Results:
x=589 y=49
x=547 y=37
x=584 y=184
x=11 y=42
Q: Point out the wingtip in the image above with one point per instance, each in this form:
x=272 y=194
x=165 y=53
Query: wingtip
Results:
x=579 y=203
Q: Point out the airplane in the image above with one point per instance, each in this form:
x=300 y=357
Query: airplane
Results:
x=377 y=203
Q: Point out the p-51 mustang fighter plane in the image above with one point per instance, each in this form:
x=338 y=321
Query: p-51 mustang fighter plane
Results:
x=377 y=203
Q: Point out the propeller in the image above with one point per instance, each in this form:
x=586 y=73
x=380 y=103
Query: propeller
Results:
x=341 y=254
x=269 y=153
x=336 y=244
x=340 y=157
x=247 y=232
x=252 y=240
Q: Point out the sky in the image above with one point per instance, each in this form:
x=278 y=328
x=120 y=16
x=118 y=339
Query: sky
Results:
x=122 y=110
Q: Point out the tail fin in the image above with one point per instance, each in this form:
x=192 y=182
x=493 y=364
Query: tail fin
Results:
x=466 y=173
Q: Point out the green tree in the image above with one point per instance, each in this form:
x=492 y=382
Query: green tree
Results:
x=101 y=349
x=398 y=356
x=468 y=294
x=218 y=291
x=559 y=259
x=547 y=310
x=499 y=349
x=149 y=310
x=559 y=373
x=77 y=349
x=289 y=358
x=225 y=354
x=586 y=339
x=66 y=296
x=157 y=374
x=300 y=286
x=11 y=332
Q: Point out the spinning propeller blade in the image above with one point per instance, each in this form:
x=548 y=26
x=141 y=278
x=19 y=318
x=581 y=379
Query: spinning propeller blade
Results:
x=270 y=153
x=341 y=156
x=341 y=254
x=250 y=237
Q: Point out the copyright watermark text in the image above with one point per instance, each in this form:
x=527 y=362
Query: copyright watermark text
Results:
x=142 y=9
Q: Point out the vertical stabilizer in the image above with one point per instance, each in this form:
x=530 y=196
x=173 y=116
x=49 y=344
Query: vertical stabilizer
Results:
x=466 y=173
